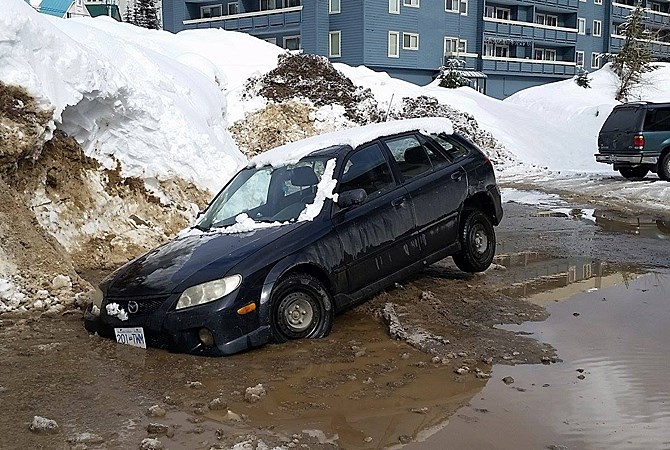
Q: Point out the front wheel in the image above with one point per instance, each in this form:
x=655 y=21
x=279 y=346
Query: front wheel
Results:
x=478 y=242
x=633 y=173
x=301 y=308
x=664 y=167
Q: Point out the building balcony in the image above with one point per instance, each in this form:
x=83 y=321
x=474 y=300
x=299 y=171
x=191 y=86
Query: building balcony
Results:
x=527 y=31
x=257 y=21
x=522 y=66
x=654 y=19
x=659 y=49
x=562 y=4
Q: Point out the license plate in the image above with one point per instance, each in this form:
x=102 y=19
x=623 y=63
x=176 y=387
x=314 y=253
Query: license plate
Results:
x=131 y=336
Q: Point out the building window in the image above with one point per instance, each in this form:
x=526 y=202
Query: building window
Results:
x=552 y=21
x=597 y=27
x=579 y=58
x=550 y=55
x=211 y=11
x=598 y=2
x=464 y=7
x=233 y=8
x=411 y=3
x=462 y=46
x=595 y=60
x=454 y=46
x=503 y=13
x=270 y=4
x=333 y=6
x=452 y=5
x=502 y=51
x=335 y=44
x=292 y=42
x=581 y=26
x=410 y=41
x=541 y=19
x=489 y=11
x=394 y=44
x=394 y=6
x=656 y=7
x=272 y=40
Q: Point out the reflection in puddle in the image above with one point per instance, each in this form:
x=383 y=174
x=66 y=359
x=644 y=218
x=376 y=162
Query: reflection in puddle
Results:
x=611 y=391
x=653 y=227
x=544 y=278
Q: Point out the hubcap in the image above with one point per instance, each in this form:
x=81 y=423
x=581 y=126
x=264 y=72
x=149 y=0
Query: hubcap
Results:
x=480 y=240
x=298 y=313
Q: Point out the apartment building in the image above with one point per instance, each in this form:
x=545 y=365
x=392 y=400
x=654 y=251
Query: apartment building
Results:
x=507 y=45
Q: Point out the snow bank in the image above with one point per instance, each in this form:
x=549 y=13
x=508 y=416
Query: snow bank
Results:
x=122 y=99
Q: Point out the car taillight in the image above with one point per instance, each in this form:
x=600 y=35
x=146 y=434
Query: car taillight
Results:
x=638 y=142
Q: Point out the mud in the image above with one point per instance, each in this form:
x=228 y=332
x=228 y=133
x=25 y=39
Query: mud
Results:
x=360 y=388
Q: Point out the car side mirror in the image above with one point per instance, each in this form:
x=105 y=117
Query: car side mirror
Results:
x=351 y=198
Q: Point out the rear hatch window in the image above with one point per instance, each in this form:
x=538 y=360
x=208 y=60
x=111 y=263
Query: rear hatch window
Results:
x=623 y=119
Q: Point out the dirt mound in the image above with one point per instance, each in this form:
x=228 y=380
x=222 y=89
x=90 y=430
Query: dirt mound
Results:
x=314 y=78
x=464 y=123
x=23 y=125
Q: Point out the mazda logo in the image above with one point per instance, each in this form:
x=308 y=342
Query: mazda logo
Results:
x=133 y=307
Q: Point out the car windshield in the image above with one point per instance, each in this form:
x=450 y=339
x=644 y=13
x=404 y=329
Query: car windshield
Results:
x=266 y=194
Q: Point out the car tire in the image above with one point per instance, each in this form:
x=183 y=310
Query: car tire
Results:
x=633 y=173
x=302 y=308
x=478 y=242
x=664 y=167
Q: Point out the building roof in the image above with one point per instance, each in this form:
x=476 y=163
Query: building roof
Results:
x=56 y=8
x=100 y=9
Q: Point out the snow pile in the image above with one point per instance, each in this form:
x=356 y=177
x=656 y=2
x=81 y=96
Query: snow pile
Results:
x=10 y=296
x=120 y=98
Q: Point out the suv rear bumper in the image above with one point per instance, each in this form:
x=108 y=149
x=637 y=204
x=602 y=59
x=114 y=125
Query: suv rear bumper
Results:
x=627 y=159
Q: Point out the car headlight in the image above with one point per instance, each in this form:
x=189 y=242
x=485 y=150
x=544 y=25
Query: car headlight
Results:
x=208 y=292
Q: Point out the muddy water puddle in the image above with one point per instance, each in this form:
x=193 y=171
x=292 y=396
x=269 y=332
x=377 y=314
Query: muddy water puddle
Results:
x=609 y=391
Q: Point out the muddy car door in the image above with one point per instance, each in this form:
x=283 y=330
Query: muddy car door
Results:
x=375 y=235
x=437 y=186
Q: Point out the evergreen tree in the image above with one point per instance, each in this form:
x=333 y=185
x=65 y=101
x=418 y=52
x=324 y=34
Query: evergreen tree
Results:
x=634 y=59
x=582 y=78
x=450 y=74
x=143 y=13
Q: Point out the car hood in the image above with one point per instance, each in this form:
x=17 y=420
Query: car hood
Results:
x=162 y=270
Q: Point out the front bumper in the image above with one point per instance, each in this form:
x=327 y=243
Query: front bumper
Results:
x=626 y=159
x=177 y=331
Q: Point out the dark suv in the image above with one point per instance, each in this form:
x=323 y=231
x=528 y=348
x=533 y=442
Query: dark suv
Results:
x=635 y=138
x=305 y=231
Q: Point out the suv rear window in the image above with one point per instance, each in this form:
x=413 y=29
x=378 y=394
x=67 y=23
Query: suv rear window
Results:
x=657 y=120
x=623 y=119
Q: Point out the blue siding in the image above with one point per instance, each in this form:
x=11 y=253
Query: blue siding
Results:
x=365 y=26
x=56 y=8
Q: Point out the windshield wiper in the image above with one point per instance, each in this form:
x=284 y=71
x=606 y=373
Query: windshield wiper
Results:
x=199 y=227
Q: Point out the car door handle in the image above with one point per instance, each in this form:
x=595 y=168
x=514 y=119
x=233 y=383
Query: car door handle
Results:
x=457 y=175
x=398 y=202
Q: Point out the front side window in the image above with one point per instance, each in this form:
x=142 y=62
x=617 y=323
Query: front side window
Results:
x=333 y=6
x=335 y=44
x=410 y=41
x=367 y=169
x=411 y=156
x=394 y=44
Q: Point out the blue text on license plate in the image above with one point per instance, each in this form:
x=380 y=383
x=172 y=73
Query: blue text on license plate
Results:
x=131 y=336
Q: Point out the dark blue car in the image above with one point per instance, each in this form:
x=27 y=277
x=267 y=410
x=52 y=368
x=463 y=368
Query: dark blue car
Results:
x=303 y=232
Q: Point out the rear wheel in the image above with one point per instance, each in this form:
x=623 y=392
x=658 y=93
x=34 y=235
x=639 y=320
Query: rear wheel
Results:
x=633 y=173
x=478 y=242
x=664 y=167
x=301 y=308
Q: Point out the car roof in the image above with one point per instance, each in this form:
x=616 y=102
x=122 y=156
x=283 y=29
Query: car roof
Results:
x=647 y=104
x=336 y=142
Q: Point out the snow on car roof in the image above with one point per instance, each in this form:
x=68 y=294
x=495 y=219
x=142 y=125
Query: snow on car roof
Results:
x=295 y=151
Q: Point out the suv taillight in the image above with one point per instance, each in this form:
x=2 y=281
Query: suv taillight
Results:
x=638 y=142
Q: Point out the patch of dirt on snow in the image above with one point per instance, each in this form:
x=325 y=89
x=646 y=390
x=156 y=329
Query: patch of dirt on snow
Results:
x=464 y=123
x=272 y=126
x=23 y=125
x=314 y=78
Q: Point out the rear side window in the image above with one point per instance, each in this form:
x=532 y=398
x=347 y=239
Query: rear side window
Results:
x=454 y=150
x=657 y=120
x=623 y=119
x=411 y=156
x=367 y=169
